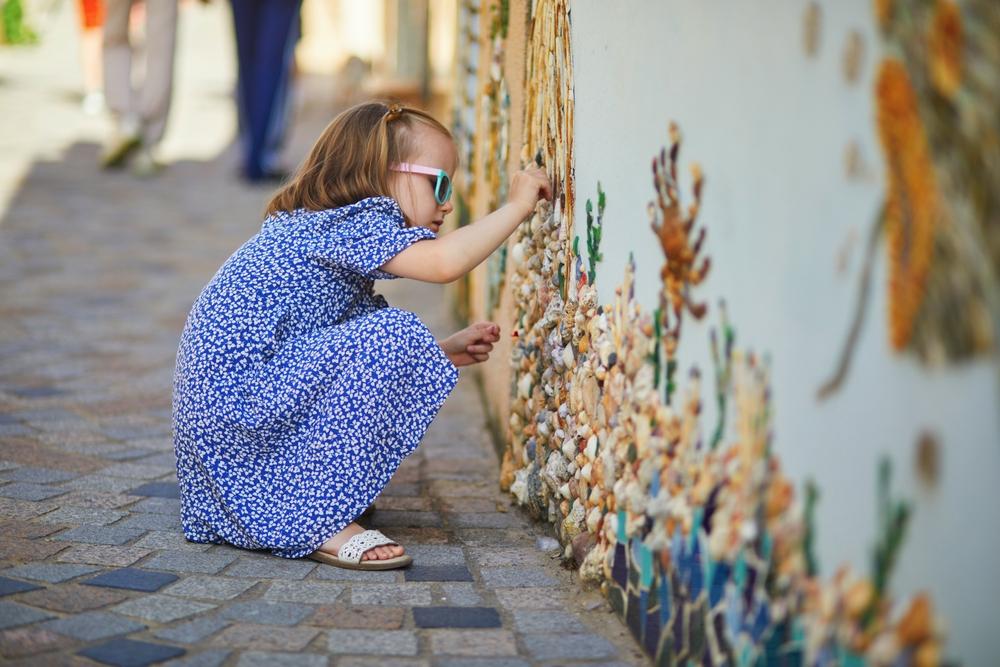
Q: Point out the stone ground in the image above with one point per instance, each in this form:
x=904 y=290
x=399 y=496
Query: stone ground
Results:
x=97 y=272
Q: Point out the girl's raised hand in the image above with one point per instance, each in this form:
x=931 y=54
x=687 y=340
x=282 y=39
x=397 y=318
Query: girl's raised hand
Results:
x=528 y=186
x=472 y=344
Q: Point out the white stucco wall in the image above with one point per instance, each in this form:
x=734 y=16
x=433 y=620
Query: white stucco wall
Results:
x=769 y=126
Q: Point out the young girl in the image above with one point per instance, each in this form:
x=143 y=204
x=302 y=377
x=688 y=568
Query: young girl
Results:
x=298 y=390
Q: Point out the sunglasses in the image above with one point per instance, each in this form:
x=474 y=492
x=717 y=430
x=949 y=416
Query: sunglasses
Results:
x=442 y=182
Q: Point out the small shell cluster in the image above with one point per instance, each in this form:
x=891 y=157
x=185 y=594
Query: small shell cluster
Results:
x=495 y=121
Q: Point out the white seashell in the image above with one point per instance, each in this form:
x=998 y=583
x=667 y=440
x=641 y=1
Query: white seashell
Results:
x=569 y=448
x=591 y=449
x=517 y=254
x=585 y=471
x=567 y=356
x=594 y=518
x=524 y=386
x=564 y=491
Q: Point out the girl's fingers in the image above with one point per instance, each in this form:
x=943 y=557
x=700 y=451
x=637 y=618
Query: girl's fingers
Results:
x=479 y=348
x=480 y=357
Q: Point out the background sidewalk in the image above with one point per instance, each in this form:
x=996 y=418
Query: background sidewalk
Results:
x=97 y=272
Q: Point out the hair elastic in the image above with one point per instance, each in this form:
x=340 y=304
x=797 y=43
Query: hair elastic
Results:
x=393 y=111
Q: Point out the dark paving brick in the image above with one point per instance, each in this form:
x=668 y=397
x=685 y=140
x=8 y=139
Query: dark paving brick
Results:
x=133 y=579
x=267 y=613
x=100 y=535
x=131 y=653
x=11 y=586
x=93 y=625
x=50 y=572
x=13 y=615
x=158 y=490
x=438 y=573
x=456 y=617
x=562 y=646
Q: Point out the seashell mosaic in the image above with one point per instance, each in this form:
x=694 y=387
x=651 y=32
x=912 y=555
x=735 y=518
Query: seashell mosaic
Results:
x=693 y=531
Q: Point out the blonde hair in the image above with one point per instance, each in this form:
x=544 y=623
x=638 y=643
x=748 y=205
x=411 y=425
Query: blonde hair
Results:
x=351 y=159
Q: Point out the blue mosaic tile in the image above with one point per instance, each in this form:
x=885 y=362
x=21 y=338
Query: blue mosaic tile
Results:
x=456 y=617
x=131 y=653
x=438 y=573
x=133 y=579
x=11 y=586
x=157 y=490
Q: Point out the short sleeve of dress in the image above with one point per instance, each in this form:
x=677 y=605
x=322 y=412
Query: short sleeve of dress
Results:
x=362 y=237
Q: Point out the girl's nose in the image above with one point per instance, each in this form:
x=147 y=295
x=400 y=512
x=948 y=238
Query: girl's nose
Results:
x=447 y=207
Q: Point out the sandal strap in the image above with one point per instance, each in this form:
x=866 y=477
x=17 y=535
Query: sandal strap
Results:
x=354 y=548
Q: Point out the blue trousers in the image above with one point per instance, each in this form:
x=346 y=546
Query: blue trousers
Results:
x=266 y=32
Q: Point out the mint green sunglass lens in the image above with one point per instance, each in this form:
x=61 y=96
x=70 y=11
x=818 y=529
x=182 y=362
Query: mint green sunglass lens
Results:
x=442 y=188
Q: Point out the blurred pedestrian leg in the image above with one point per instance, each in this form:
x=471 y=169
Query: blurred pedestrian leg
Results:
x=266 y=32
x=91 y=20
x=139 y=111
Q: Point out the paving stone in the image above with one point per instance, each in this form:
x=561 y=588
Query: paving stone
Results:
x=372 y=642
x=264 y=637
x=130 y=653
x=133 y=579
x=458 y=595
x=515 y=576
x=415 y=594
x=481 y=662
x=100 y=483
x=210 y=588
x=438 y=573
x=21 y=510
x=470 y=504
x=363 y=618
x=266 y=612
x=388 y=518
x=28 y=491
x=27 y=529
x=530 y=598
x=307 y=592
x=161 y=608
x=50 y=572
x=18 y=550
x=102 y=554
x=562 y=646
x=210 y=658
x=93 y=625
x=96 y=499
x=200 y=563
x=134 y=471
x=401 y=490
x=332 y=573
x=158 y=490
x=456 y=617
x=273 y=659
x=171 y=540
x=11 y=586
x=505 y=557
x=38 y=475
x=547 y=621
x=146 y=522
x=380 y=661
x=75 y=515
x=73 y=598
x=418 y=504
x=270 y=567
x=13 y=615
x=120 y=453
x=158 y=506
x=194 y=631
x=32 y=641
x=100 y=535
x=435 y=554
x=484 y=520
x=15 y=429
x=472 y=642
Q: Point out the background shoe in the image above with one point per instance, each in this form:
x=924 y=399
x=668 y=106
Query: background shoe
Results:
x=93 y=103
x=118 y=150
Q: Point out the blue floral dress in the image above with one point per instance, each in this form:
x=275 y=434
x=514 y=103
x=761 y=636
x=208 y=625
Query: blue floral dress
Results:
x=298 y=391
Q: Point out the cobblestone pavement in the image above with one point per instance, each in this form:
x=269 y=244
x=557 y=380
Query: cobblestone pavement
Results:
x=97 y=272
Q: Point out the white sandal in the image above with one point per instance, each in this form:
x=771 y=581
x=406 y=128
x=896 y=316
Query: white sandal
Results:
x=350 y=553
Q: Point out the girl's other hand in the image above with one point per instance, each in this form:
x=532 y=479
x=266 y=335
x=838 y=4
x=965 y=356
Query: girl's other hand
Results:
x=472 y=344
x=528 y=186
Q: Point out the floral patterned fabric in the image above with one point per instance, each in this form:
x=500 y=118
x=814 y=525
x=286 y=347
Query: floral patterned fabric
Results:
x=298 y=391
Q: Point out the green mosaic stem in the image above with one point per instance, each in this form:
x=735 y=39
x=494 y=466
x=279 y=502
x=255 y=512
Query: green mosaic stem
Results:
x=501 y=19
x=809 y=539
x=594 y=233
x=893 y=517
x=656 y=356
x=723 y=373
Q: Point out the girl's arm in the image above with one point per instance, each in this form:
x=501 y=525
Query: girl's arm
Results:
x=451 y=256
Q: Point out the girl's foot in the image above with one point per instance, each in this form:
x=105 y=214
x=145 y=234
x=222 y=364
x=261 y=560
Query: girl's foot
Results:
x=332 y=545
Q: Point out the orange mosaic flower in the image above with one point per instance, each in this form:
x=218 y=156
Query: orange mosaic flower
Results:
x=944 y=44
x=912 y=206
x=883 y=12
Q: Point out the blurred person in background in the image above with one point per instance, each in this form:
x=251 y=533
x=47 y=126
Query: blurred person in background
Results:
x=91 y=20
x=139 y=112
x=266 y=33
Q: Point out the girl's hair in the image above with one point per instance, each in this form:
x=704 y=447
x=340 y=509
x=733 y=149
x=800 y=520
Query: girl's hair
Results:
x=351 y=159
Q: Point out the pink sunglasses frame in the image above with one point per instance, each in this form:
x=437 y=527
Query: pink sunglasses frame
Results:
x=442 y=175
